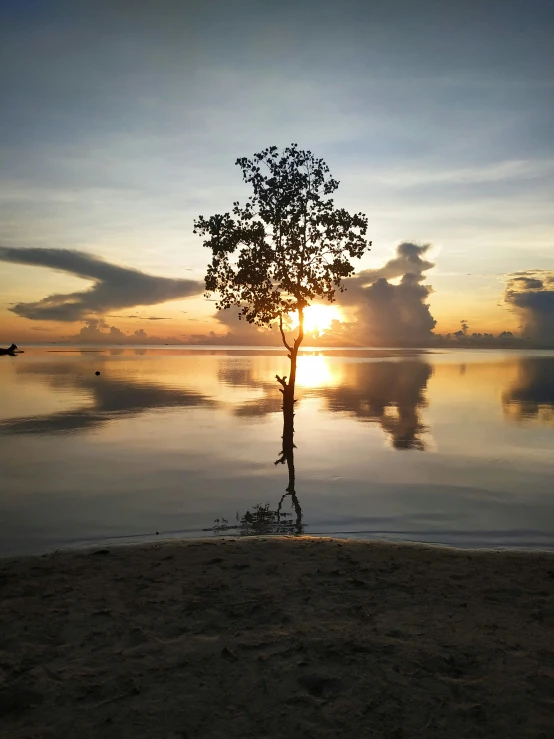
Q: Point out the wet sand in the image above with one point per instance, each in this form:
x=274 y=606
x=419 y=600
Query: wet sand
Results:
x=277 y=637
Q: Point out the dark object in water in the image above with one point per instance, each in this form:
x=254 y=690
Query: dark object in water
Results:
x=12 y=351
x=97 y=373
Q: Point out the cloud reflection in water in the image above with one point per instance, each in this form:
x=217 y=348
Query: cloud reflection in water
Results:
x=108 y=398
x=531 y=397
x=389 y=393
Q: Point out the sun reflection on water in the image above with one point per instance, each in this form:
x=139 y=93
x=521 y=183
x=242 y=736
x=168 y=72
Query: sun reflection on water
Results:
x=315 y=370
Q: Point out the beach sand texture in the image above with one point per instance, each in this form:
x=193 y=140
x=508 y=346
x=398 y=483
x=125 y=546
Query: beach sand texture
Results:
x=277 y=637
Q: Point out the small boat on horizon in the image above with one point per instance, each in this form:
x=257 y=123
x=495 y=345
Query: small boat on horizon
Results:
x=11 y=351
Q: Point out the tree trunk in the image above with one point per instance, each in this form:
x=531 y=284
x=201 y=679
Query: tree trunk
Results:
x=288 y=407
x=288 y=387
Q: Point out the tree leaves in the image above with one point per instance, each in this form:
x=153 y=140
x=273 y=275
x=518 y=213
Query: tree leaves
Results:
x=288 y=244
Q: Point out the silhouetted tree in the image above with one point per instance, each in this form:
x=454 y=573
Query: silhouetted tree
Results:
x=286 y=246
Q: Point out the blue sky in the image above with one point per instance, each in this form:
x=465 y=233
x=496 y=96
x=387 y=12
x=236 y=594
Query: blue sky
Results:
x=122 y=120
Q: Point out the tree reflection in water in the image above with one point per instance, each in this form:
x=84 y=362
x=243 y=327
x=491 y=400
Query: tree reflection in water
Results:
x=389 y=393
x=263 y=520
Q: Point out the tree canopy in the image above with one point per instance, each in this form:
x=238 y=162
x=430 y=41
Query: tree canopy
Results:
x=287 y=245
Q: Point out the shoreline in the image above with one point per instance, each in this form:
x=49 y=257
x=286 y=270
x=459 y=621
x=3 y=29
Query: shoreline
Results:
x=277 y=636
x=146 y=540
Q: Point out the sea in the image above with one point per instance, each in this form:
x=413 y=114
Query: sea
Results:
x=118 y=444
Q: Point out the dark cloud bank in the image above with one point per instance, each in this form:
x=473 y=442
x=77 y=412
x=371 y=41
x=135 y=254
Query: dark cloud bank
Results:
x=531 y=295
x=393 y=313
x=389 y=305
x=114 y=287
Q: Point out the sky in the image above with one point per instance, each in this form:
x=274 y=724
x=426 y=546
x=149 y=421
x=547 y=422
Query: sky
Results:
x=122 y=120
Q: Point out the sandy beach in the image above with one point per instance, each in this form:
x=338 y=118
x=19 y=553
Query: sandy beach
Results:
x=277 y=637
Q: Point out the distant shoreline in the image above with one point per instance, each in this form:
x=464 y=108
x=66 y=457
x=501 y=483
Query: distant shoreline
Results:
x=59 y=346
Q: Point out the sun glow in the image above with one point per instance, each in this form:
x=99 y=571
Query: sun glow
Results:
x=314 y=371
x=317 y=318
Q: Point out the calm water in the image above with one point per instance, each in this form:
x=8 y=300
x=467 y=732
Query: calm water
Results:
x=455 y=447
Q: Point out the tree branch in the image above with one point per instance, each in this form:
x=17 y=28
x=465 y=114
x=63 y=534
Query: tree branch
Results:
x=281 y=380
x=287 y=346
x=300 y=338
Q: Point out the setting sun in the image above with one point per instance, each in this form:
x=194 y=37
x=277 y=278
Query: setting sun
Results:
x=318 y=318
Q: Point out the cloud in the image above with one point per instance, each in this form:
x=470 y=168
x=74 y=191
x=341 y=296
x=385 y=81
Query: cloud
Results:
x=144 y=318
x=237 y=332
x=409 y=259
x=531 y=294
x=528 y=283
x=98 y=331
x=388 y=313
x=385 y=313
x=114 y=287
x=240 y=331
